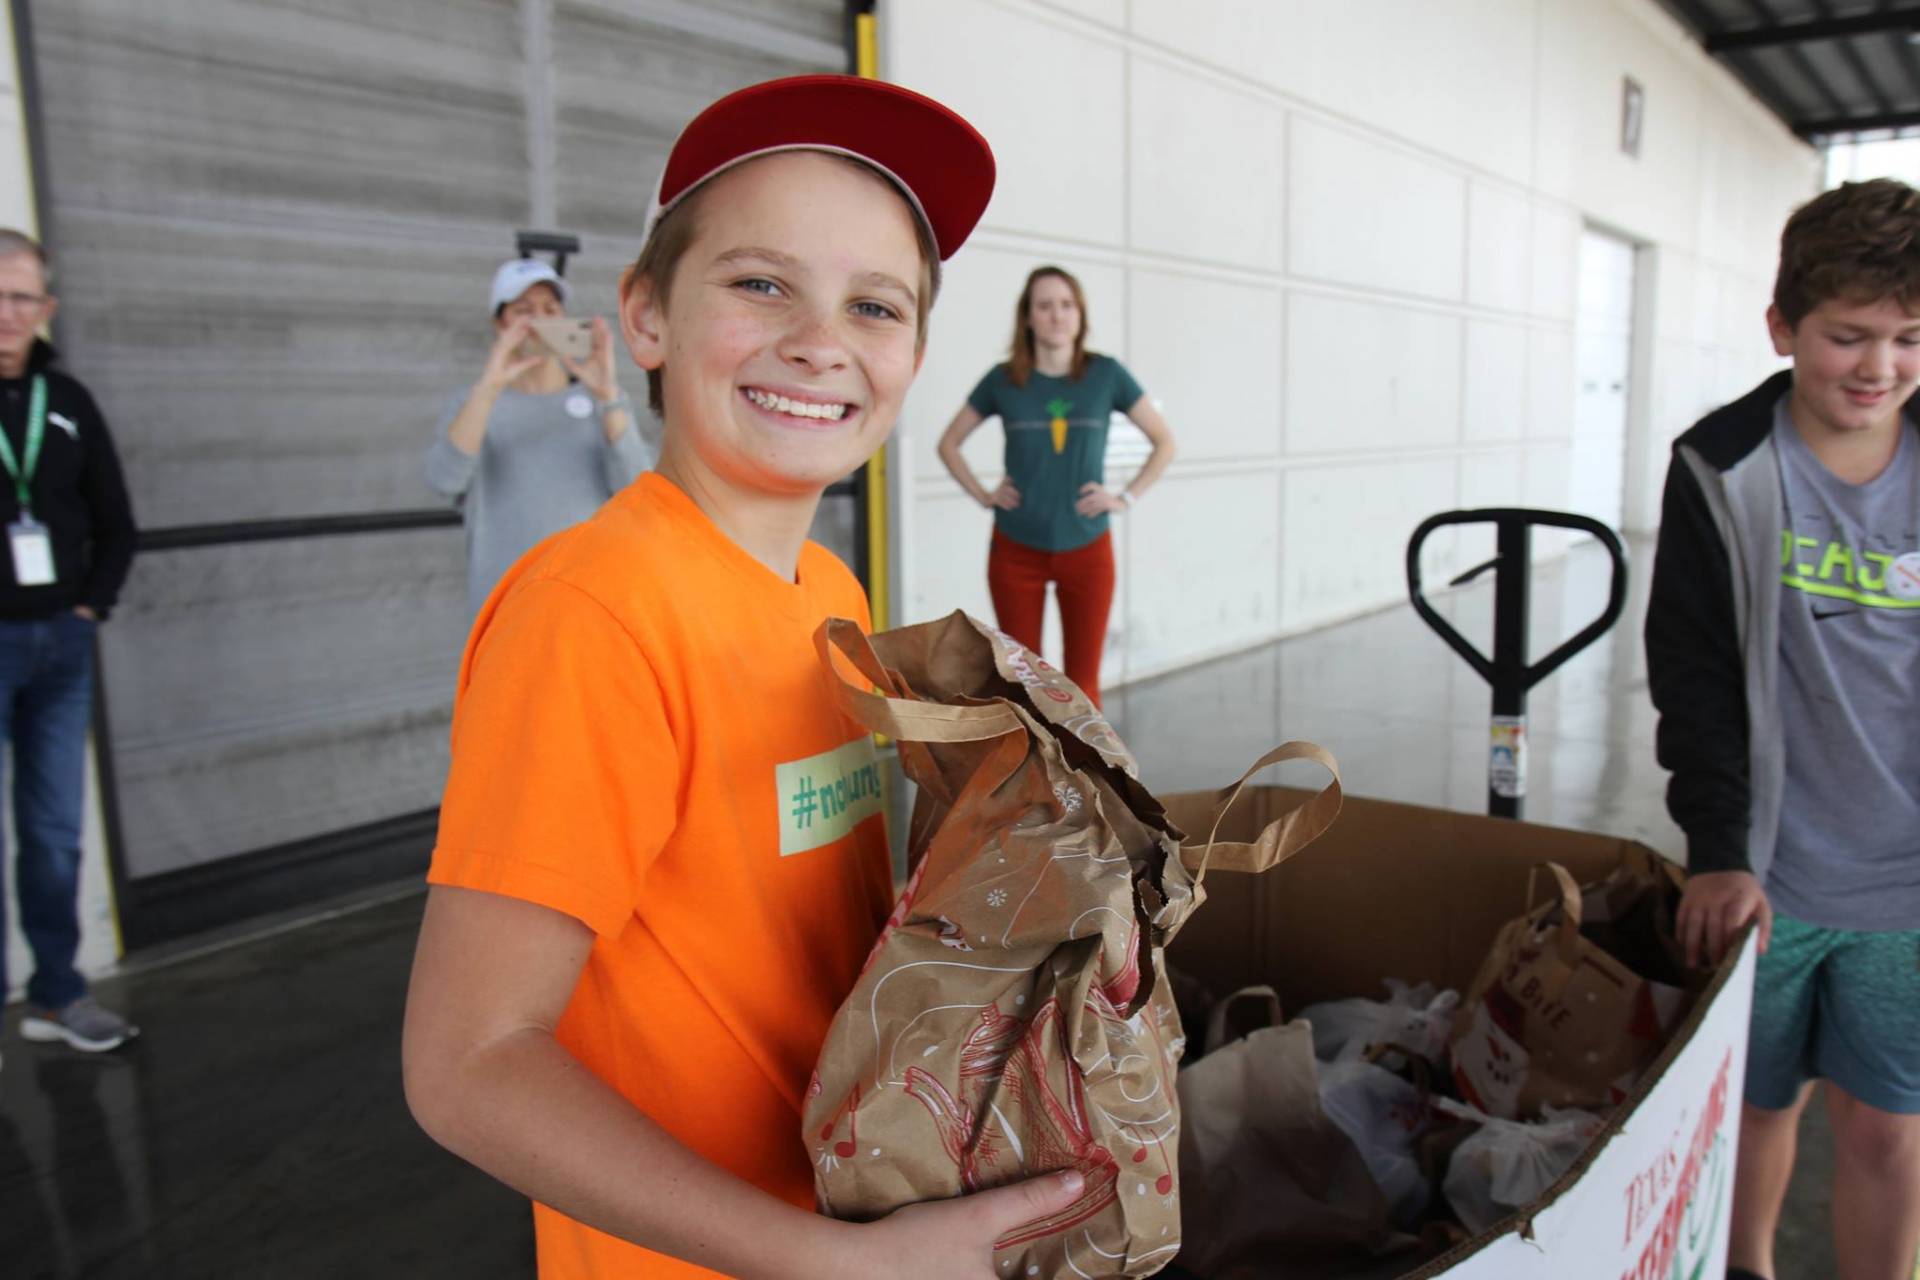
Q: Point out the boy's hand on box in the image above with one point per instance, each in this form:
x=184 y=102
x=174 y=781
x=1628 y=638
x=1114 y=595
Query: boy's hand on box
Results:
x=1715 y=907
x=954 y=1239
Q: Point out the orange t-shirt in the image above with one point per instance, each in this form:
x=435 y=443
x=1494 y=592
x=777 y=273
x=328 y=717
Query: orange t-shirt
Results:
x=644 y=739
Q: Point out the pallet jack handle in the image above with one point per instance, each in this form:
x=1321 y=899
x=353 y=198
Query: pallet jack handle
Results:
x=1507 y=671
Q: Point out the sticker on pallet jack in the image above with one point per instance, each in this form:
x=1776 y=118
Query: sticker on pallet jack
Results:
x=1507 y=757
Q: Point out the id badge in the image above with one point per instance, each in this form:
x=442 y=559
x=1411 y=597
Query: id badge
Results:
x=32 y=552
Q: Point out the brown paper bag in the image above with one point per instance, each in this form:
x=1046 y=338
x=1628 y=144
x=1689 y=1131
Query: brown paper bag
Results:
x=1554 y=1015
x=1268 y=1175
x=1012 y=1019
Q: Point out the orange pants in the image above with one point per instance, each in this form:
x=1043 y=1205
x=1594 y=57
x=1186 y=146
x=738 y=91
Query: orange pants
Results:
x=1018 y=575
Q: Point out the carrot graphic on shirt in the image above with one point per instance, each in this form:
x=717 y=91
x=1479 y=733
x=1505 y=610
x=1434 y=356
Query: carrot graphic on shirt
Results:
x=1059 y=410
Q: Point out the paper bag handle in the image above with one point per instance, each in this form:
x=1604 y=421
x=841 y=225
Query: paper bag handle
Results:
x=1282 y=838
x=1217 y=1019
x=907 y=719
x=1570 y=904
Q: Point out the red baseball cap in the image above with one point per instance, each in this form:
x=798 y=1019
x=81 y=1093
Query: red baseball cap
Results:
x=939 y=162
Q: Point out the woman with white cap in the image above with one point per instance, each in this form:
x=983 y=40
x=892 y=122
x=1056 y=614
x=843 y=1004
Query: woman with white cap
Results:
x=540 y=440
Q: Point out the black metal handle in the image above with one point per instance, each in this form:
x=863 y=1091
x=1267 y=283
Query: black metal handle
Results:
x=560 y=244
x=1524 y=517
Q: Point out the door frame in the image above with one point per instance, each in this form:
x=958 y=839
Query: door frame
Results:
x=1640 y=469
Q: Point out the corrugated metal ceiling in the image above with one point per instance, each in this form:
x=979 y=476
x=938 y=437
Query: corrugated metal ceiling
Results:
x=1828 y=68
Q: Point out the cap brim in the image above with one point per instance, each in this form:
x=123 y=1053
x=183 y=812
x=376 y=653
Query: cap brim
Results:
x=941 y=163
x=556 y=280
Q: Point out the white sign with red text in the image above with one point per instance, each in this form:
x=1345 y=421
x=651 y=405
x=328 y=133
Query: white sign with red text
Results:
x=1655 y=1202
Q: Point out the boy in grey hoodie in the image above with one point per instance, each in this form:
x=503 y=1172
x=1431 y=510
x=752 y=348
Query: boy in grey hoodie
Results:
x=1783 y=646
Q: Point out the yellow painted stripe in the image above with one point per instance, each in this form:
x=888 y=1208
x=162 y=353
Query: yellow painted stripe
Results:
x=879 y=571
x=1832 y=592
x=866 y=47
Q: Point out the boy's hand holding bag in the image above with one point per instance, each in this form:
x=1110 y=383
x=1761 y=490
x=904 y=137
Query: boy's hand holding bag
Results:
x=1013 y=1019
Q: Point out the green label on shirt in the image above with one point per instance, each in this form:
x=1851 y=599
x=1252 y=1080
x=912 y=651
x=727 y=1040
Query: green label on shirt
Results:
x=824 y=797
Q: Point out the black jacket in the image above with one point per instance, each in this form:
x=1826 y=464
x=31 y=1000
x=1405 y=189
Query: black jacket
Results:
x=78 y=493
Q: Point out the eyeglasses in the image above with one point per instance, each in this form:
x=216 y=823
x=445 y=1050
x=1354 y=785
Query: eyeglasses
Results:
x=22 y=301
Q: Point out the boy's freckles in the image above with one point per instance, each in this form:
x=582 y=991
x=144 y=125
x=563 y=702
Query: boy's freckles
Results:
x=736 y=335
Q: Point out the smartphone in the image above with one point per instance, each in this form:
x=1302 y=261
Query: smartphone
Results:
x=567 y=337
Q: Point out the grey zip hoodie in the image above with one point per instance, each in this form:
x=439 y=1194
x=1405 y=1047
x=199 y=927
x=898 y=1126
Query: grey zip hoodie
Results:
x=1713 y=634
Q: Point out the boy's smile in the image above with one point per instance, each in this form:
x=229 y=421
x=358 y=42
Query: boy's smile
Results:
x=1854 y=365
x=796 y=405
x=789 y=338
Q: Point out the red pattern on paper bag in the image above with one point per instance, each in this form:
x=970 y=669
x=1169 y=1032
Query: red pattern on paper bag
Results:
x=1011 y=1020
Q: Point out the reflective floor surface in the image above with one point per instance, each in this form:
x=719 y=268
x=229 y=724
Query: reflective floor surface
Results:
x=257 y=1128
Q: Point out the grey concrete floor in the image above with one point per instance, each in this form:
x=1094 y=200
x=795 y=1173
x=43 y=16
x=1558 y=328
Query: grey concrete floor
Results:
x=257 y=1128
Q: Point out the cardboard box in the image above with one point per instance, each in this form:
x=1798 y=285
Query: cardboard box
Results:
x=1401 y=891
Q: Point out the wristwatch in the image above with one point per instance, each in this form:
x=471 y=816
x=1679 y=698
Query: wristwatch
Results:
x=620 y=401
x=1126 y=496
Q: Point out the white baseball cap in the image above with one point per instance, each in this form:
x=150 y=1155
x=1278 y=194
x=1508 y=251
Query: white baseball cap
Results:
x=521 y=274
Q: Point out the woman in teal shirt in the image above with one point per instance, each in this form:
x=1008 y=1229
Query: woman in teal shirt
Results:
x=1054 y=398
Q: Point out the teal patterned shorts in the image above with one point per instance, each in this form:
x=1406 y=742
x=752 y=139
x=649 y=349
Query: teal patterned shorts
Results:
x=1837 y=1005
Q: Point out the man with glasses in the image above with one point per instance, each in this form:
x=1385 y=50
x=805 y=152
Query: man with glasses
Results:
x=69 y=536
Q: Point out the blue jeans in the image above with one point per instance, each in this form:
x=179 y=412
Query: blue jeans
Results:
x=46 y=700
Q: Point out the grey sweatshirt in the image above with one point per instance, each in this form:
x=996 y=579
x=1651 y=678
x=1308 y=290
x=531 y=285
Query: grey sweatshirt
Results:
x=544 y=465
x=1848 y=855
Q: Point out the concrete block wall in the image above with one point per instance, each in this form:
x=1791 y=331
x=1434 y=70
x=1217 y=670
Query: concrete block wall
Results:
x=1339 y=243
x=272 y=296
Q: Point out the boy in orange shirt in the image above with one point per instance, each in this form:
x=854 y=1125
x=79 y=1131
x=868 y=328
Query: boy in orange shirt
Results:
x=642 y=915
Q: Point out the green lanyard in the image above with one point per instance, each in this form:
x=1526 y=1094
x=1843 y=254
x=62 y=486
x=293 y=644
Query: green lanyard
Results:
x=36 y=432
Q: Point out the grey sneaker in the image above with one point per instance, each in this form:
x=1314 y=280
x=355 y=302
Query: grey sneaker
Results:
x=84 y=1024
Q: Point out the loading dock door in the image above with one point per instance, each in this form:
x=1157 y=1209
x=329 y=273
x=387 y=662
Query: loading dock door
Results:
x=1603 y=359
